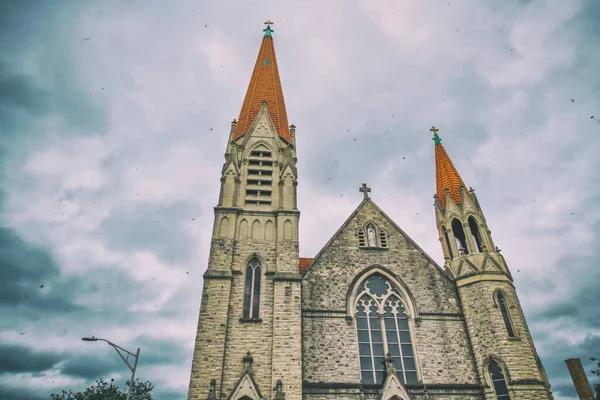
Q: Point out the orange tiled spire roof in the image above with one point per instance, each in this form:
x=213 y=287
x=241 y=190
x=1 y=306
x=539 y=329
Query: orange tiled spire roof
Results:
x=446 y=176
x=264 y=85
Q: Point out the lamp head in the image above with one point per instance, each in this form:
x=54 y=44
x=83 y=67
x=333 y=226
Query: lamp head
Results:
x=89 y=339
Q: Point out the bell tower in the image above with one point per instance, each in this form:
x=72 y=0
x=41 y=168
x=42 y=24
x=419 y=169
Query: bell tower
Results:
x=249 y=328
x=504 y=352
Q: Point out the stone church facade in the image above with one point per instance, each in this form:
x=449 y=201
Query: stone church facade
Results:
x=371 y=316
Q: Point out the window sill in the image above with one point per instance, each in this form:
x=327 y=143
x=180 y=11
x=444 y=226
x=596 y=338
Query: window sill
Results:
x=373 y=248
x=514 y=338
x=251 y=320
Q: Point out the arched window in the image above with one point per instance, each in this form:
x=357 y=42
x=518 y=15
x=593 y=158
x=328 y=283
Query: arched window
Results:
x=382 y=238
x=361 y=238
x=498 y=380
x=474 y=228
x=505 y=316
x=450 y=252
x=382 y=327
x=252 y=290
x=459 y=235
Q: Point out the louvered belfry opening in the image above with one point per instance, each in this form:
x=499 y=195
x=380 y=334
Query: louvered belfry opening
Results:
x=259 y=186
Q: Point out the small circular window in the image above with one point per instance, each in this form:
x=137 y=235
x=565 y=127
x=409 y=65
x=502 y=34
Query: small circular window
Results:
x=267 y=62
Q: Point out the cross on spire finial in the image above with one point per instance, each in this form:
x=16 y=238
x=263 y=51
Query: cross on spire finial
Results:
x=268 y=31
x=436 y=138
x=365 y=190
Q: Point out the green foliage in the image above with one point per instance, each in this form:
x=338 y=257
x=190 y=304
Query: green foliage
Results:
x=596 y=371
x=102 y=390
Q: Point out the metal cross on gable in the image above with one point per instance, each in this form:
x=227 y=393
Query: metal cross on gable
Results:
x=365 y=190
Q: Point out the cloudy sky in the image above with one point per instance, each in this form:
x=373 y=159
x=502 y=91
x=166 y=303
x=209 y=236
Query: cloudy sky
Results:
x=114 y=118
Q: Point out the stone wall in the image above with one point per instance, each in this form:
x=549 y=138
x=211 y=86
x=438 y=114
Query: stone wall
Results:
x=489 y=338
x=330 y=349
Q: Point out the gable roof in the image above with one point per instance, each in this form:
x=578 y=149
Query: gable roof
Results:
x=354 y=213
x=303 y=263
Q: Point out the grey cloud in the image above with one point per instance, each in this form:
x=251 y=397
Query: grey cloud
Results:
x=23 y=268
x=152 y=227
x=18 y=358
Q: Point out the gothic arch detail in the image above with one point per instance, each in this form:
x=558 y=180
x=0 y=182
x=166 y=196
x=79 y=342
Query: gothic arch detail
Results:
x=243 y=233
x=497 y=377
x=382 y=315
x=501 y=301
x=288 y=232
x=224 y=227
x=257 y=232
x=252 y=280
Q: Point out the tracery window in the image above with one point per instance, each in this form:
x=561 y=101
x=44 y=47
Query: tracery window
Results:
x=505 y=316
x=382 y=327
x=252 y=289
x=498 y=380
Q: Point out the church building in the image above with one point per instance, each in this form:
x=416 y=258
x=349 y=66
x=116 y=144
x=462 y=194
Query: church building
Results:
x=371 y=316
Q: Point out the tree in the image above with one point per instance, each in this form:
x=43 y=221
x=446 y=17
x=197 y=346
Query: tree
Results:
x=102 y=390
x=597 y=373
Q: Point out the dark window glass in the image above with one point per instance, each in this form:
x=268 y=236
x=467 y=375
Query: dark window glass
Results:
x=361 y=323
x=498 y=380
x=252 y=289
x=505 y=316
x=407 y=350
x=256 y=295
x=248 y=292
x=411 y=378
x=409 y=364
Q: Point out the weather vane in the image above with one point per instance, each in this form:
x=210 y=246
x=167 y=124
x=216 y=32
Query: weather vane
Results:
x=269 y=22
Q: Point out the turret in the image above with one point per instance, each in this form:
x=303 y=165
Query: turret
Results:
x=507 y=361
x=461 y=224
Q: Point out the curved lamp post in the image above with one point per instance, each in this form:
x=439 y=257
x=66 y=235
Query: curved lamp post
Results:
x=121 y=350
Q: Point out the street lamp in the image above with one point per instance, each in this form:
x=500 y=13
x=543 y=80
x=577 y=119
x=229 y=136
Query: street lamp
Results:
x=119 y=350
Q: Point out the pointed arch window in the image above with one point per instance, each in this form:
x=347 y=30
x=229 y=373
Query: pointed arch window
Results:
x=382 y=238
x=459 y=235
x=252 y=289
x=474 y=228
x=498 y=380
x=505 y=316
x=382 y=327
x=361 y=238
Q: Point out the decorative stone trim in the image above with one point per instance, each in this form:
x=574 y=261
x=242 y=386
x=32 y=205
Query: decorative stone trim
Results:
x=325 y=314
x=251 y=320
x=287 y=277
x=218 y=274
x=373 y=248
x=441 y=317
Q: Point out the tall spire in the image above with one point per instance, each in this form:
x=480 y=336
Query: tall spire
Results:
x=264 y=86
x=446 y=176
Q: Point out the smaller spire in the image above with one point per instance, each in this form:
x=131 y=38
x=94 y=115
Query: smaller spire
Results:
x=268 y=31
x=448 y=181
